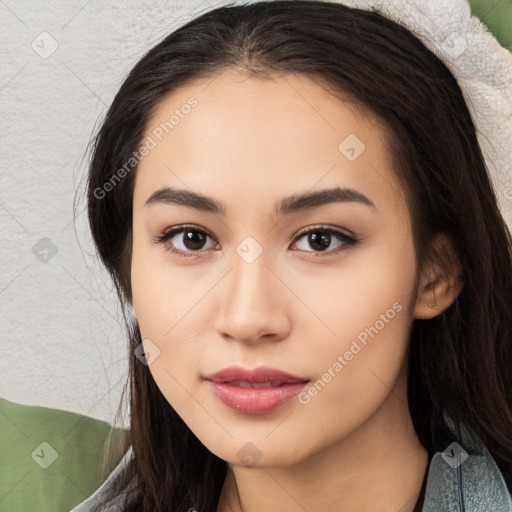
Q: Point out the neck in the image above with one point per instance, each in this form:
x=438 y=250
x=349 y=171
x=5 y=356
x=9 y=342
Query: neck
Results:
x=380 y=465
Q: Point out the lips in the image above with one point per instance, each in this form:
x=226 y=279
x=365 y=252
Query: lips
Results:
x=245 y=384
x=260 y=377
x=257 y=391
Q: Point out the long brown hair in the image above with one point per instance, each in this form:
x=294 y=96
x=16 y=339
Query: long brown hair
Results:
x=460 y=362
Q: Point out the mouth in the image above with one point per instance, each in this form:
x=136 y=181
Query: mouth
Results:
x=257 y=385
x=263 y=375
x=257 y=391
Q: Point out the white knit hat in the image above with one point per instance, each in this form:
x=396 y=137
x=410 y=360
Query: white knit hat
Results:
x=481 y=66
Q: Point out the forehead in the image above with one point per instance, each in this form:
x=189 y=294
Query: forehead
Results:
x=232 y=134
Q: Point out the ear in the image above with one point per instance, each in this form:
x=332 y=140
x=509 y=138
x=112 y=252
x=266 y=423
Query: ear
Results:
x=441 y=283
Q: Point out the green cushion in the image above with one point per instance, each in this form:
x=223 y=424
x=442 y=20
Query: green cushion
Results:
x=51 y=460
x=497 y=16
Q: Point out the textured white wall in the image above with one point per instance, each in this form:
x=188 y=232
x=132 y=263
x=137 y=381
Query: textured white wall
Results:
x=62 y=341
x=61 y=63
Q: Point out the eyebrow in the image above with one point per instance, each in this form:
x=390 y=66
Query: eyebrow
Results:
x=292 y=204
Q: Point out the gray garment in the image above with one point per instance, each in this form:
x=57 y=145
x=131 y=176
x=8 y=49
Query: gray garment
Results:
x=462 y=482
x=450 y=472
x=97 y=497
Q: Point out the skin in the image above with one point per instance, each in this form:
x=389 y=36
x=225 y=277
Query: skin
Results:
x=248 y=143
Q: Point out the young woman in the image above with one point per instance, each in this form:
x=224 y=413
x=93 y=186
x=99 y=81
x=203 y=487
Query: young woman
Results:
x=293 y=204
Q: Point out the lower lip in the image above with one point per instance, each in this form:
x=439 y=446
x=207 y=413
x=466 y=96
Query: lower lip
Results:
x=255 y=400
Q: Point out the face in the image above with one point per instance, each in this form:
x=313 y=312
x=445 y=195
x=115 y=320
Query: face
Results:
x=321 y=289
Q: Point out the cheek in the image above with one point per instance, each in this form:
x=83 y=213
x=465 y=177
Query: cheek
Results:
x=160 y=295
x=164 y=308
x=368 y=310
x=155 y=305
x=371 y=286
x=169 y=306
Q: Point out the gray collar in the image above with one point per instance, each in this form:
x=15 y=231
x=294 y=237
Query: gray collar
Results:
x=459 y=481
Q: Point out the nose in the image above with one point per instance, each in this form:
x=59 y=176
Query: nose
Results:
x=253 y=303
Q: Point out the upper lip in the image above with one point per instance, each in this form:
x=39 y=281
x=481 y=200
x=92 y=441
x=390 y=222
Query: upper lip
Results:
x=260 y=374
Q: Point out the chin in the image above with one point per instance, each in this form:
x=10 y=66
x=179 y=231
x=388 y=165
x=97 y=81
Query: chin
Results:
x=256 y=453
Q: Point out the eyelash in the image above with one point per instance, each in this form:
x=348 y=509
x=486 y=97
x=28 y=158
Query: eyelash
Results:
x=348 y=242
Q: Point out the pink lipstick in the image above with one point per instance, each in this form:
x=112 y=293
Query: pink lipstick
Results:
x=256 y=391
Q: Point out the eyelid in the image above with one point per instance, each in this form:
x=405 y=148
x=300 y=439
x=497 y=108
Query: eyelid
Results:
x=349 y=240
x=182 y=227
x=172 y=231
x=326 y=228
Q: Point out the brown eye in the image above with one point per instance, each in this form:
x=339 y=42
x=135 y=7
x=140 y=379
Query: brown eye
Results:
x=193 y=239
x=321 y=238
x=188 y=240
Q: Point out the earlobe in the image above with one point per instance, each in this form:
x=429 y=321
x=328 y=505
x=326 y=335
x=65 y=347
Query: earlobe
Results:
x=435 y=299
x=426 y=305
